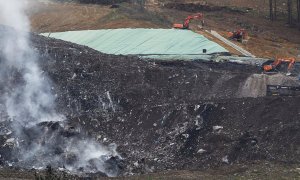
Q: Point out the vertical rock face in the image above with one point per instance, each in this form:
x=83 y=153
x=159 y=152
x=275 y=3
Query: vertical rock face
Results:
x=165 y=115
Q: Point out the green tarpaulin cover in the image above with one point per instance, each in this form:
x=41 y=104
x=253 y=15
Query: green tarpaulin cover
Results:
x=151 y=43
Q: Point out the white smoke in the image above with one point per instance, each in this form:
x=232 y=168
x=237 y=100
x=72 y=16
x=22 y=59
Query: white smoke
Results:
x=32 y=101
x=29 y=101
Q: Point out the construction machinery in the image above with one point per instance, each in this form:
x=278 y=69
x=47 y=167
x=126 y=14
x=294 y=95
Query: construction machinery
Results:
x=271 y=67
x=279 y=90
x=240 y=35
x=187 y=21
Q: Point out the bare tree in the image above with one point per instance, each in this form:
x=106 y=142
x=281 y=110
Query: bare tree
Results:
x=290 y=11
x=271 y=10
x=298 y=12
x=275 y=9
x=140 y=3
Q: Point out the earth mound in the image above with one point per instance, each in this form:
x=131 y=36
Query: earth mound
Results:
x=175 y=115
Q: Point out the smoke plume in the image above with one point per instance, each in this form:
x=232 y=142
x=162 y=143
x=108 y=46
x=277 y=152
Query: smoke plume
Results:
x=41 y=136
x=32 y=101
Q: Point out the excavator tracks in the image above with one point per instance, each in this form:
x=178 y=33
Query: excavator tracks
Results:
x=277 y=90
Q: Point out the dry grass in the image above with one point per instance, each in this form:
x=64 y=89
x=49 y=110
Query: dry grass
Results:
x=65 y=17
x=267 y=39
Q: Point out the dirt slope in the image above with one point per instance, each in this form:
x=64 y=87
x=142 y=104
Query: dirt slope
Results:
x=268 y=39
x=55 y=17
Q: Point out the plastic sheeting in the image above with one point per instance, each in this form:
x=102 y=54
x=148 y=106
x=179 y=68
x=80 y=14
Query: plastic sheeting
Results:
x=148 y=43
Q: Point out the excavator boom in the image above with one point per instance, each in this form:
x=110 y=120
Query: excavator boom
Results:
x=187 y=21
x=291 y=61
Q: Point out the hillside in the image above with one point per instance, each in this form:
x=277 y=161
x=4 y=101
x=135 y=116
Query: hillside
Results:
x=151 y=102
x=267 y=39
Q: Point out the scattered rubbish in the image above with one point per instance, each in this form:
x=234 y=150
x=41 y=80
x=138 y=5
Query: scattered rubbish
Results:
x=201 y=151
x=186 y=135
x=217 y=128
x=225 y=159
x=10 y=140
x=136 y=164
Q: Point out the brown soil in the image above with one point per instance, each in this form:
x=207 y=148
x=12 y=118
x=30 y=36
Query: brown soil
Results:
x=66 y=17
x=254 y=170
x=58 y=17
x=267 y=39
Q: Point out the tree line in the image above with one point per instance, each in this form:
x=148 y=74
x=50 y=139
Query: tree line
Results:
x=291 y=4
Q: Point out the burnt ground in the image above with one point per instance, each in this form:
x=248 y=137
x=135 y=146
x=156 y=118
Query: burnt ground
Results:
x=169 y=115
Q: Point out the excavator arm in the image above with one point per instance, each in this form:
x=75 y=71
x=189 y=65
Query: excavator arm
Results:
x=187 y=21
x=291 y=61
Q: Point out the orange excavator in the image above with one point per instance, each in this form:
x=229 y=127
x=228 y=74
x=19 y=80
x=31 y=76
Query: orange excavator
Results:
x=187 y=21
x=291 y=61
x=239 y=35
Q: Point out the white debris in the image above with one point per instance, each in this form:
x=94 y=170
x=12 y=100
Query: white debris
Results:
x=216 y=128
x=74 y=76
x=223 y=108
x=225 y=159
x=155 y=159
x=136 y=164
x=98 y=137
x=10 y=140
x=9 y=132
x=201 y=151
x=104 y=139
x=154 y=124
x=186 y=135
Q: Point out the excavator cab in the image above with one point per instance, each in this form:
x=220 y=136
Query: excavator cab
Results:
x=240 y=35
x=273 y=66
x=187 y=21
x=179 y=26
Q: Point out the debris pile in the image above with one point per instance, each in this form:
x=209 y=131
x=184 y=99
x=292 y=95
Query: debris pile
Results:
x=161 y=114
